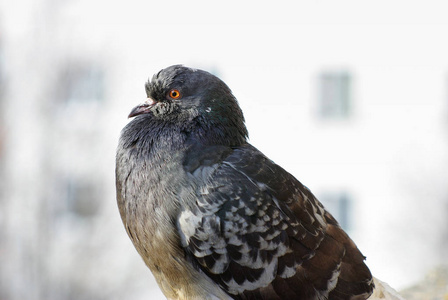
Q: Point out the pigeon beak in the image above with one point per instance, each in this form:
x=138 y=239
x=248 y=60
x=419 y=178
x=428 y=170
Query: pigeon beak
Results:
x=142 y=108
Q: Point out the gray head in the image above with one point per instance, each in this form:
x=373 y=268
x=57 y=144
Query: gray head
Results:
x=194 y=101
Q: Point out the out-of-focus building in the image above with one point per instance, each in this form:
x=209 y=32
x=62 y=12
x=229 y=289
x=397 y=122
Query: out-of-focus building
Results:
x=61 y=235
x=368 y=137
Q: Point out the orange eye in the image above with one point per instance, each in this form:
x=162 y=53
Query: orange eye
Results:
x=174 y=94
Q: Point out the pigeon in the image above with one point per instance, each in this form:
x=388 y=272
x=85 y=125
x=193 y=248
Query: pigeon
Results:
x=212 y=216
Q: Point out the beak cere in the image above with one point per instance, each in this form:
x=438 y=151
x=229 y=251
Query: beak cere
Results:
x=142 y=108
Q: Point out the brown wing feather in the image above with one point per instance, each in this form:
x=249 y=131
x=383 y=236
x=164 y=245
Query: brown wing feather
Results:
x=271 y=238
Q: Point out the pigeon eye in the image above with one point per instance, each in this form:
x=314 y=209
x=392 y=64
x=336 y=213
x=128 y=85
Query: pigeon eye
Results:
x=174 y=94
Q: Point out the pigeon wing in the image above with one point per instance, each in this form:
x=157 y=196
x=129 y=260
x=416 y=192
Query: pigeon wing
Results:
x=260 y=234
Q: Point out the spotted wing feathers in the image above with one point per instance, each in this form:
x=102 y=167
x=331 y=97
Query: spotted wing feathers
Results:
x=260 y=234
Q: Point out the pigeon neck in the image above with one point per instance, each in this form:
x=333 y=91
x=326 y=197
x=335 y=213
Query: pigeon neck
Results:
x=212 y=136
x=217 y=132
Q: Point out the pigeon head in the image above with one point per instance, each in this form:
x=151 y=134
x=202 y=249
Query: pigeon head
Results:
x=194 y=101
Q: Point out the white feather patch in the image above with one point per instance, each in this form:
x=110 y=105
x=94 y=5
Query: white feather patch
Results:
x=188 y=222
x=265 y=279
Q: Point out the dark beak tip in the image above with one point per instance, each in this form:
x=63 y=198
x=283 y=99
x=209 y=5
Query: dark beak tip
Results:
x=139 y=110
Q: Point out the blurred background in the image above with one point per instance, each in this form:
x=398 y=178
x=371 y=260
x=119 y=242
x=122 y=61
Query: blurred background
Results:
x=349 y=96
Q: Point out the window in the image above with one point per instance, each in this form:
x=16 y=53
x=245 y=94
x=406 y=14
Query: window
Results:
x=82 y=197
x=334 y=100
x=339 y=205
x=81 y=83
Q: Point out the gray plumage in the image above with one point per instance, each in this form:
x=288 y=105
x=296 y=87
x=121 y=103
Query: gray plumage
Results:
x=211 y=216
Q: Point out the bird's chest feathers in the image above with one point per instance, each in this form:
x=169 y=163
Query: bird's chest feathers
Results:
x=152 y=190
x=154 y=183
